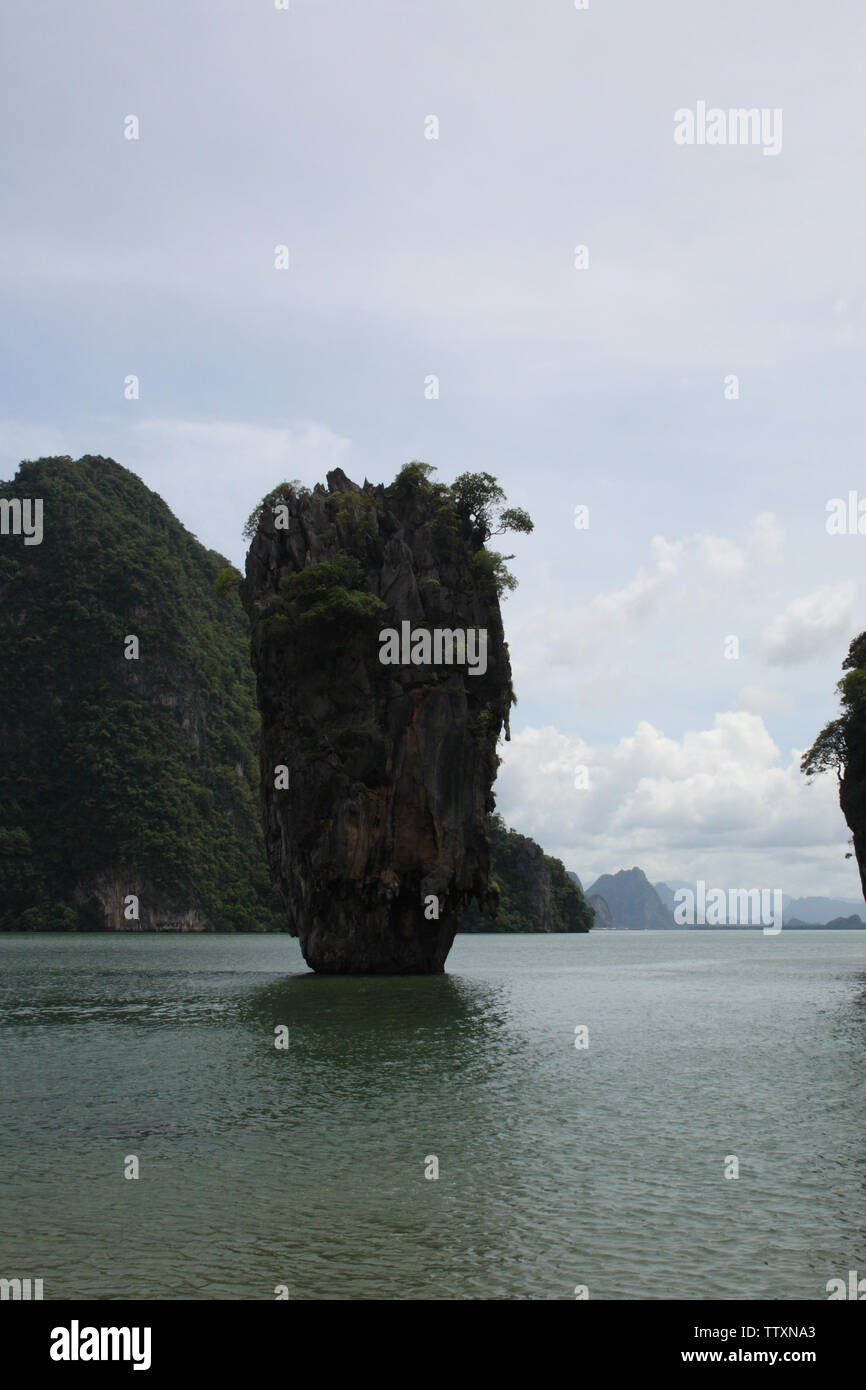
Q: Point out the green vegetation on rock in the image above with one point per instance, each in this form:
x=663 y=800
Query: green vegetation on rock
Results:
x=114 y=771
x=535 y=891
x=841 y=747
x=327 y=603
x=475 y=500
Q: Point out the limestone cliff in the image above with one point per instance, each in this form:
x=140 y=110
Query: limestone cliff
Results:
x=535 y=892
x=633 y=903
x=128 y=772
x=603 y=915
x=375 y=830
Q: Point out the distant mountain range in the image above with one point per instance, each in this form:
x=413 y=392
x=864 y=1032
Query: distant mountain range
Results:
x=631 y=903
x=815 y=912
x=821 y=911
x=852 y=923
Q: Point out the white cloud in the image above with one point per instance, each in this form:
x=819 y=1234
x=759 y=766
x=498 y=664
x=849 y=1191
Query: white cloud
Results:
x=724 y=558
x=568 y=635
x=688 y=581
x=729 y=560
x=720 y=801
x=810 y=625
x=765 y=538
x=606 y=688
x=759 y=699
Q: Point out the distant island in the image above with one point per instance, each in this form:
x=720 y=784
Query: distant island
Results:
x=852 y=923
x=633 y=903
x=627 y=901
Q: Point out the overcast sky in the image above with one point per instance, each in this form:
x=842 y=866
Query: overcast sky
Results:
x=602 y=386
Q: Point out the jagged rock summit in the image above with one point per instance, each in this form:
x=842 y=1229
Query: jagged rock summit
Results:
x=633 y=903
x=375 y=826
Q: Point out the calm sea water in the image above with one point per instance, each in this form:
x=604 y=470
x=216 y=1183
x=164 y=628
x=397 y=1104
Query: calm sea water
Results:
x=557 y=1166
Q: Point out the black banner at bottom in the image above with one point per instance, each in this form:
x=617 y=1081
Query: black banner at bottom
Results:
x=157 y=1339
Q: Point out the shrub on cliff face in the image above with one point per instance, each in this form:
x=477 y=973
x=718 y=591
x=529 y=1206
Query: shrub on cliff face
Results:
x=841 y=747
x=282 y=493
x=326 y=605
x=474 y=504
x=479 y=498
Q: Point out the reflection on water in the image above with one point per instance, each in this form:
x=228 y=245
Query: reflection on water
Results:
x=557 y=1166
x=369 y=1058
x=360 y=1020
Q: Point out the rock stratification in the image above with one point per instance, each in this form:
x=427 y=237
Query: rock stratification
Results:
x=376 y=777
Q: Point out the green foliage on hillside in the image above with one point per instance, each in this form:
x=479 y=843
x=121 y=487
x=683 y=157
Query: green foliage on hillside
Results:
x=516 y=868
x=147 y=766
x=842 y=738
x=473 y=504
x=841 y=747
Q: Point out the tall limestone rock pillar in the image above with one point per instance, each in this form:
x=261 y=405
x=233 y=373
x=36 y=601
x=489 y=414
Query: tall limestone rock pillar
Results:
x=376 y=775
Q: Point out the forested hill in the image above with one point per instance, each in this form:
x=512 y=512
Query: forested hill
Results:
x=119 y=777
x=535 y=892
